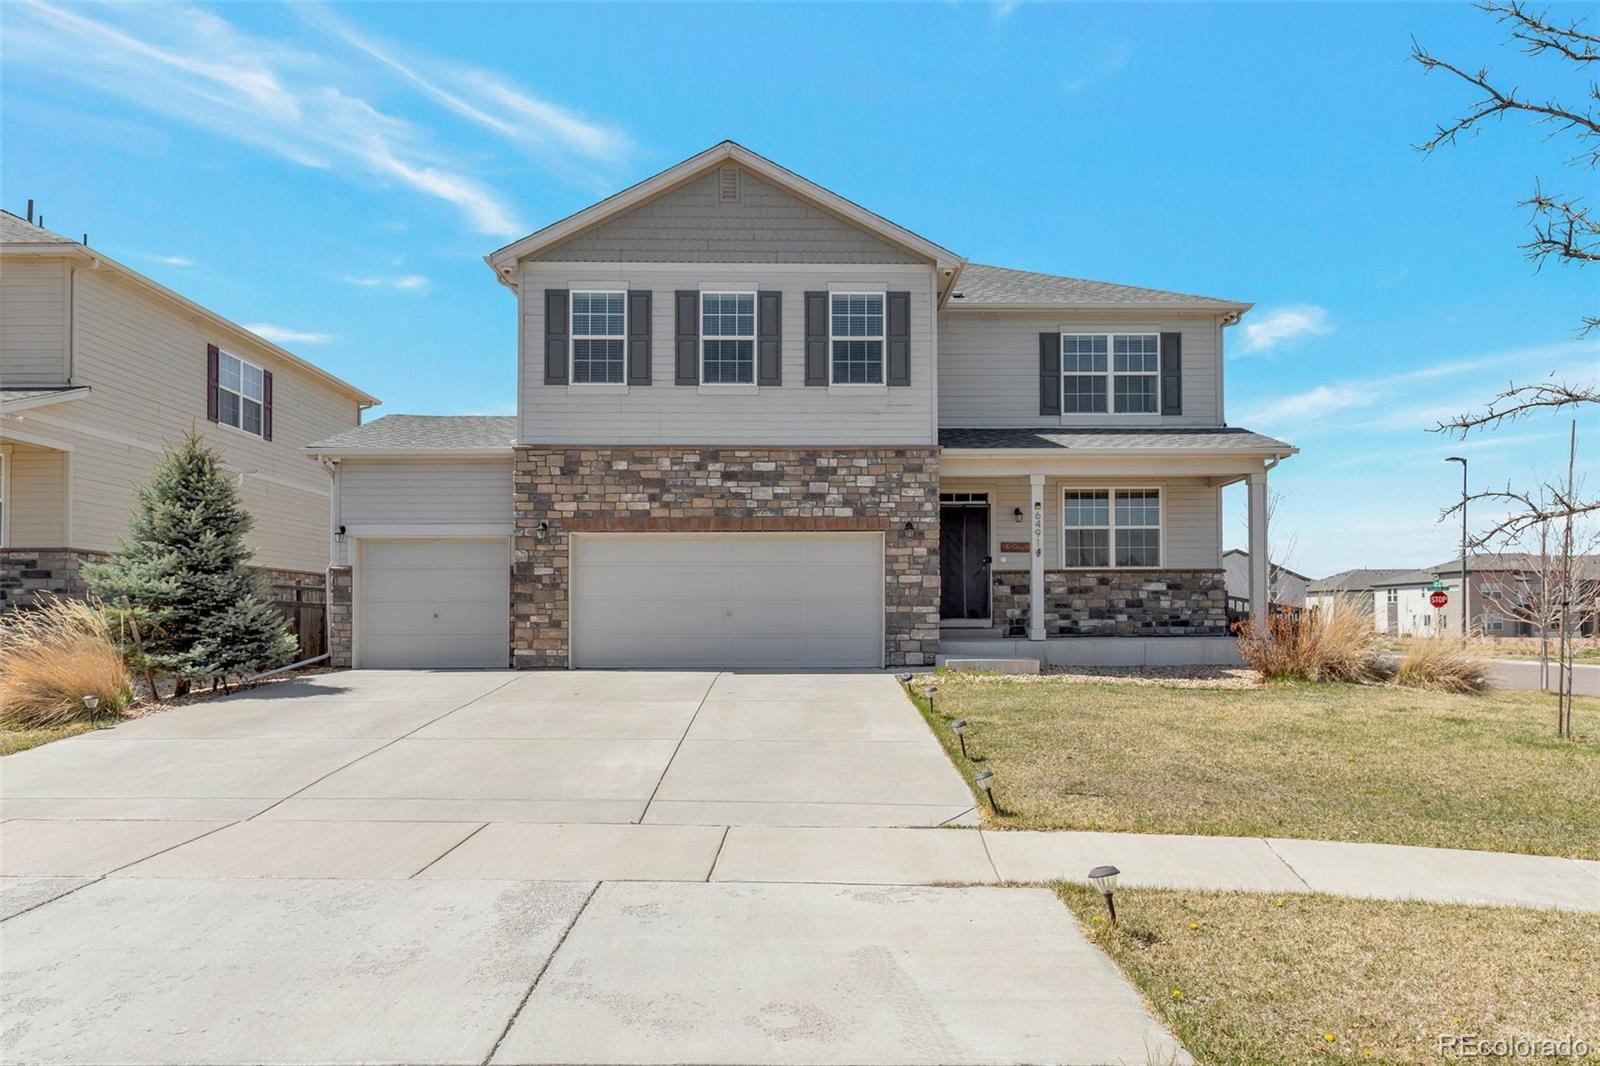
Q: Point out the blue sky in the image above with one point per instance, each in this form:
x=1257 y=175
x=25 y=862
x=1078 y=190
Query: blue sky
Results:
x=334 y=174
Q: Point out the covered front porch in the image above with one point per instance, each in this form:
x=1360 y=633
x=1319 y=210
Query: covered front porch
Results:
x=1096 y=548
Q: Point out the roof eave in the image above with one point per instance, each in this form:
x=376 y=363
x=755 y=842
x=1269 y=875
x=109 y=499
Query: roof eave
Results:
x=61 y=396
x=1216 y=308
x=503 y=260
x=1145 y=453
x=340 y=452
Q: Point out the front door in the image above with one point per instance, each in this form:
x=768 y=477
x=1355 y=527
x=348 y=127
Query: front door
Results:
x=964 y=560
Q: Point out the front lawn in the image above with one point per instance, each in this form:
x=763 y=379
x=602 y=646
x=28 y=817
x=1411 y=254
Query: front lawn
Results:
x=15 y=740
x=1337 y=762
x=1248 y=980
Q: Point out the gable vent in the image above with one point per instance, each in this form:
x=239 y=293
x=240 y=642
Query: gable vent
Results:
x=728 y=185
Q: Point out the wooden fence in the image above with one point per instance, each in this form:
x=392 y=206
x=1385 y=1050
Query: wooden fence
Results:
x=305 y=608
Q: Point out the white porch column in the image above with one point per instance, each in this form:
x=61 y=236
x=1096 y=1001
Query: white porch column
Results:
x=1036 y=557
x=1258 y=550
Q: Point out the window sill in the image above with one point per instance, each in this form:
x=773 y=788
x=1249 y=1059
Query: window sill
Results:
x=599 y=388
x=856 y=390
x=728 y=389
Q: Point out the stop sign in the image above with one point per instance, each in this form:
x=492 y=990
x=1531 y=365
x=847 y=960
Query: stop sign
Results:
x=1438 y=599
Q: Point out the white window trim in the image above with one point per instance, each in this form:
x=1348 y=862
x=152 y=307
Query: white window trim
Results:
x=1111 y=525
x=221 y=388
x=573 y=384
x=755 y=348
x=1110 y=374
x=881 y=338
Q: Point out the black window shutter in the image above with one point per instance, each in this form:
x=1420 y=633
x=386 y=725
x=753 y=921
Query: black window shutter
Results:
x=1172 y=373
x=897 y=333
x=816 y=338
x=213 y=373
x=1050 y=373
x=556 y=325
x=769 y=337
x=687 y=335
x=639 y=337
x=266 y=405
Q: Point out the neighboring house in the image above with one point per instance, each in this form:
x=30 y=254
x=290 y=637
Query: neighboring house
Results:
x=1353 y=590
x=1283 y=585
x=100 y=368
x=759 y=425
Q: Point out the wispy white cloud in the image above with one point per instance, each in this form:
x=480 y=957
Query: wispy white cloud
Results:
x=1316 y=402
x=285 y=335
x=169 y=260
x=1097 y=65
x=1266 y=329
x=404 y=282
x=278 y=97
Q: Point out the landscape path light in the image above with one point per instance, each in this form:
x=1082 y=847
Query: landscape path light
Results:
x=985 y=781
x=92 y=703
x=1104 y=878
x=927 y=694
x=959 y=727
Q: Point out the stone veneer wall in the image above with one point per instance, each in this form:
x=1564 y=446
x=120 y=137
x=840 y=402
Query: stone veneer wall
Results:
x=340 y=617
x=27 y=572
x=1117 y=603
x=724 y=489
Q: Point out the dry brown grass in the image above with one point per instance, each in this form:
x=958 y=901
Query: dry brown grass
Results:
x=51 y=657
x=1252 y=980
x=15 y=740
x=1316 y=646
x=1443 y=665
x=1376 y=763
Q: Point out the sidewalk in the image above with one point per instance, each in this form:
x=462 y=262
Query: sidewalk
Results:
x=1524 y=674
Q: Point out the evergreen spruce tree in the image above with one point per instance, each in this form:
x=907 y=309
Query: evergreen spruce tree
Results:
x=183 y=575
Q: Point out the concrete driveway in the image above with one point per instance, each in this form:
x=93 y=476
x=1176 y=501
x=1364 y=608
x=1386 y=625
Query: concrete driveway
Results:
x=517 y=868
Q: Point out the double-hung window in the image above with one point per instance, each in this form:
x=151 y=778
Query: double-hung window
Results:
x=1111 y=528
x=728 y=338
x=599 y=337
x=855 y=340
x=1115 y=372
x=241 y=391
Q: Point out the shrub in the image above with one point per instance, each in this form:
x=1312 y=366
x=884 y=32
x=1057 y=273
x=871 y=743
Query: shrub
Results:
x=1445 y=665
x=51 y=657
x=1316 y=646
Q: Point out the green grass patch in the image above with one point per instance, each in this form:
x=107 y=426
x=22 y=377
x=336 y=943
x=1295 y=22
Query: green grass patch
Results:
x=15 y=740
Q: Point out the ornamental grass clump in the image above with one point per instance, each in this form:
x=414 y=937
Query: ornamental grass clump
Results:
x=1442 y=665
x=1315 y=645
x=51 y=657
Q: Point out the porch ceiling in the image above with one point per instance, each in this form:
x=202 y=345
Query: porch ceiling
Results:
x=1219 y=455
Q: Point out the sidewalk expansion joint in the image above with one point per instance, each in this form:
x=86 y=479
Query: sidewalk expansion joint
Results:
x=540 y=975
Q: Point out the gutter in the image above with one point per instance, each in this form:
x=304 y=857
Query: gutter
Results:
x=409 y=453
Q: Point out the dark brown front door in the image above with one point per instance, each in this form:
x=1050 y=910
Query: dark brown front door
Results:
x=964 y=561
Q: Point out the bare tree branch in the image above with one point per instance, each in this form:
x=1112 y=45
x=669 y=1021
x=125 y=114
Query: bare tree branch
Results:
x=1561 y=228
x=1538 y=34
x=1527 y=512
x=1517 y=401
x=1496 y=102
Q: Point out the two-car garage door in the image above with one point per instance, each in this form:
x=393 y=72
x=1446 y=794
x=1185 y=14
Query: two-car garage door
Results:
x=714 y=600
x=433 y=602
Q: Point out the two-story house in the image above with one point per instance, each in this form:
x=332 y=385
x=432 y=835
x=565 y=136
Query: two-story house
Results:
x=100 y=369
x=760 y=425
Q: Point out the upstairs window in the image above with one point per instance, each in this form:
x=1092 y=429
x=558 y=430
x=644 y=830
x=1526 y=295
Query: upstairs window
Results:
x=1115 y=372
x=728 y=338
x=1111 y=528
x=599 y=337
x=855 y=338
x=241 y=392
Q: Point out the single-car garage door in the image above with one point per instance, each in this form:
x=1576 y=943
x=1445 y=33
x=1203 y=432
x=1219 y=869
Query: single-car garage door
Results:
x=438 y=602
x=714 y=600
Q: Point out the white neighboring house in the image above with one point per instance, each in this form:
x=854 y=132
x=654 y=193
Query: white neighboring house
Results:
x=760 y=425
x=100 y=369
x=1354 y=589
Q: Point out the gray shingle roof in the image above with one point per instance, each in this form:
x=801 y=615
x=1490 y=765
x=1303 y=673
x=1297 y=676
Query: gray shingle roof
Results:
x=14 y=230
x=1219 y=439
x=991 y=286
x=34 y=392
x=424 y=433
x=1358 y=580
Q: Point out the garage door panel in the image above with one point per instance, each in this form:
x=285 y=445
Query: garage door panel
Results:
x=436 y=602
x=726 y=600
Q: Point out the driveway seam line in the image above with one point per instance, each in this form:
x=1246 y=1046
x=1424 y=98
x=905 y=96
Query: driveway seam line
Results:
x=380 y=747
x=712 y=869
x=984 y=837
x=174 y=847
x=448 y=850
x=679 y=746
x=953 y=817
x=52 y=899
x=1286 y=864
x=540 y=975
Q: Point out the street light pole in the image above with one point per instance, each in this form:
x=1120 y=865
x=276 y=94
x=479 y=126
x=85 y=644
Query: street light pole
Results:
x=1463 y=462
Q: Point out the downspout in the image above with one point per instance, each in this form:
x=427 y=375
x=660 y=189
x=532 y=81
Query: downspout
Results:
x=332 y=467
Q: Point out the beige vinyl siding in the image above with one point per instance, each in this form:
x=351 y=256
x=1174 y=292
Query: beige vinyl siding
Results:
x=691 y=224
x=146 y=365
x=665 y=413
x=989 y=367
x=421 y=492
x=36 y=496
x=1190 y=511
x=33 y=320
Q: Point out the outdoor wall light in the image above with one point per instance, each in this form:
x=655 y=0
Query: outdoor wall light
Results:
x=1104 y=878
x=959 y=728
x=910 y=528
x=338 y=534
x=1016 y=514
x=542 y=530
x=985 y=781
